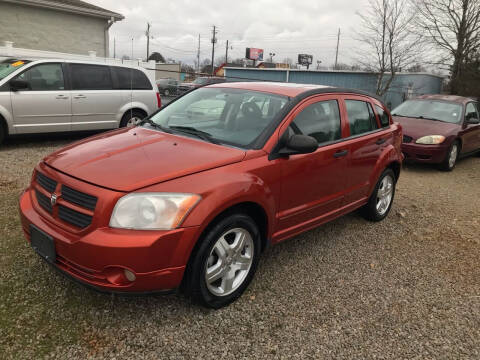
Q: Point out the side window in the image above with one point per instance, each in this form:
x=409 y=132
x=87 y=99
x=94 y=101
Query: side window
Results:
x=128 y=78
x=471 y=111
x=320 y=120
x=360 y=117
x=90 y=77
x=382 y=114
x=44 y=77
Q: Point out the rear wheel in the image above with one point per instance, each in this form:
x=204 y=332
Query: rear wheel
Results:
x=451 y=159
x=381 y=200
x=166 y=92
x=225 y=262
x=2 y=132
x=132 y=118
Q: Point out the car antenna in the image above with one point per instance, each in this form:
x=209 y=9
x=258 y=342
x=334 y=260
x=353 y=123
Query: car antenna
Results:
x=131 y=86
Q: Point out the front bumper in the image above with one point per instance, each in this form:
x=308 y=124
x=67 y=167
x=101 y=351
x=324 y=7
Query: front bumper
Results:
x=433 y=154
x=99 y=258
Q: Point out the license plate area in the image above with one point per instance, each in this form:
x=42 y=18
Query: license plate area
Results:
x=43 y=244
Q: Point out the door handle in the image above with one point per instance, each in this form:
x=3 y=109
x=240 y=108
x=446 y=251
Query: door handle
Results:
x=380 y=141
x=79 y=97
x=340 y=153
x=61 y=97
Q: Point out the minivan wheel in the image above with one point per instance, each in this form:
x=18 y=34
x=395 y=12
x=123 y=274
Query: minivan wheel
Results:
x=381 y=200
x=2 y=133
x=225 y=262
x=166 y=92
x=132 y=118
x=451 y=159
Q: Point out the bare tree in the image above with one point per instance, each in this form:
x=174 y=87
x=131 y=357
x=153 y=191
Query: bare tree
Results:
x=453 y=26
x=390 y=44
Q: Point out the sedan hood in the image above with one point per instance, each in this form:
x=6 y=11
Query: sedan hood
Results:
x=129 y=159
x=416 y=128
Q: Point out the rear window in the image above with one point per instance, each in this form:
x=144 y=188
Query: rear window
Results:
x=90 y=77
x=128 y=78
x=360 y=117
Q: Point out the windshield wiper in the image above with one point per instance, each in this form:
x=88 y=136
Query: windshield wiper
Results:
x=193 y=131
x=153 y=124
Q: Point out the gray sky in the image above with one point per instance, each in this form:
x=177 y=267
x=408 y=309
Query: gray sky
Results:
x=284 y=27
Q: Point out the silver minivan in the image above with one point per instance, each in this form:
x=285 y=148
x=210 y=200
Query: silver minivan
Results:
x=64 y=95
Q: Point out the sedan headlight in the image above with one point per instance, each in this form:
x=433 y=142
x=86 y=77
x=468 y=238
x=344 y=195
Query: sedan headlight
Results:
x=152 y=211
x=431 y=140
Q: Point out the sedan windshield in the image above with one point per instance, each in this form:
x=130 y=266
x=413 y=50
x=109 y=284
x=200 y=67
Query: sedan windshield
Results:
x=229 y=116
x=9 y=66
x=430 y=109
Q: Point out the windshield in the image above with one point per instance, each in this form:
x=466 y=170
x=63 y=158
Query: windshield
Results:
x=229 y=116
x=430 y=109
x=200 y=81
x=9 y=66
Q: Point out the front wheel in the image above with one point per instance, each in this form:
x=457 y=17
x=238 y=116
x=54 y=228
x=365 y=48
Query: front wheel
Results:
x=381 y=200
x=451 y=159
x=225 y=262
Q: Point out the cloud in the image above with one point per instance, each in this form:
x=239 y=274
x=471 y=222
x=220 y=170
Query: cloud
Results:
x=283 y=27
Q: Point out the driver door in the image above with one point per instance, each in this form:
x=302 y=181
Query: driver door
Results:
x=46 y=105
x=313 y=185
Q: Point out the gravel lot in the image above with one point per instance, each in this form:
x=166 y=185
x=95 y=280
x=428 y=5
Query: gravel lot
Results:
x=408 y=287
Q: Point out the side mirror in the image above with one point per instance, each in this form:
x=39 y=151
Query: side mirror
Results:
x=17 y=85
x=299 y=144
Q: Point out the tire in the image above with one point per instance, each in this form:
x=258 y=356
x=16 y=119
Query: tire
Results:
x=3 y=134
x=131 y=117
x=451 y=158
x=166 y=92
x=230 y=264
x=373 y=210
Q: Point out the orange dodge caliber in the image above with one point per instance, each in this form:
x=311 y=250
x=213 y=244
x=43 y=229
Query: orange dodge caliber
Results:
x=190 y=198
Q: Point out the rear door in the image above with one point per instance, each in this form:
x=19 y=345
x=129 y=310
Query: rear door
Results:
x=94 y=102
x=471 y=133
x=46 y=105
x=366 y=141
x=313 y=184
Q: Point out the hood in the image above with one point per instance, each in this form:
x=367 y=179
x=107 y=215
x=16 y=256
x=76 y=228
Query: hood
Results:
x=416 y=128
x=129 y=159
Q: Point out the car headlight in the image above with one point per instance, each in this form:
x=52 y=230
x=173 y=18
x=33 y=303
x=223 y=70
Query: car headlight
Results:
x=431 y=140
x=152 y=211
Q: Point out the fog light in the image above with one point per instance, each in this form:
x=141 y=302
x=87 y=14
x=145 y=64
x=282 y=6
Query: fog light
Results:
x=129 y=275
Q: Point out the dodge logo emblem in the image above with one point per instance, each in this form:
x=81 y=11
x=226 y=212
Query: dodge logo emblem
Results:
x=53 y=199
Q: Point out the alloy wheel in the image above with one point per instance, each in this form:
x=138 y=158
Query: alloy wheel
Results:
x=229 y=262
x=452 y=158
x=384 y=195
x=133 y=121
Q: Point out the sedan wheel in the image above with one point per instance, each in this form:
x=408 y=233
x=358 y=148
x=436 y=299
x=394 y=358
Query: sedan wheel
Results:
x=451 y=159
x=229 y=262
x=384 y=195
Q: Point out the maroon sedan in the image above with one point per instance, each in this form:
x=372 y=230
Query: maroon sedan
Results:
x=439 y=129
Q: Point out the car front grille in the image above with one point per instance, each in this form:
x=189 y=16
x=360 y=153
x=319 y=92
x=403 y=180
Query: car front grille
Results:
x=407 y=139
x=78 y=198
x=44 y=181
x=44 y=201
x=72 y=202
x=74 y=217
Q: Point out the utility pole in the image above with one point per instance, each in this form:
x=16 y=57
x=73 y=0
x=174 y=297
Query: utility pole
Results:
x=336 y=53
x=226 y=53
x=114 y=47
x=214 y=40
x=147 y=33
x=198 y=55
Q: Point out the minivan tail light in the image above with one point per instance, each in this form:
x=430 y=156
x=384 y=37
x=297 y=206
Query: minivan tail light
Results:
x=159 y=100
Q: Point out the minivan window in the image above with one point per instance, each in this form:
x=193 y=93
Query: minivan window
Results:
x=44 y=77
x=360 y=117
x=9 y=66
x=320 y=120
x=128 y=78
x=230 y=116
x=90 y=77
